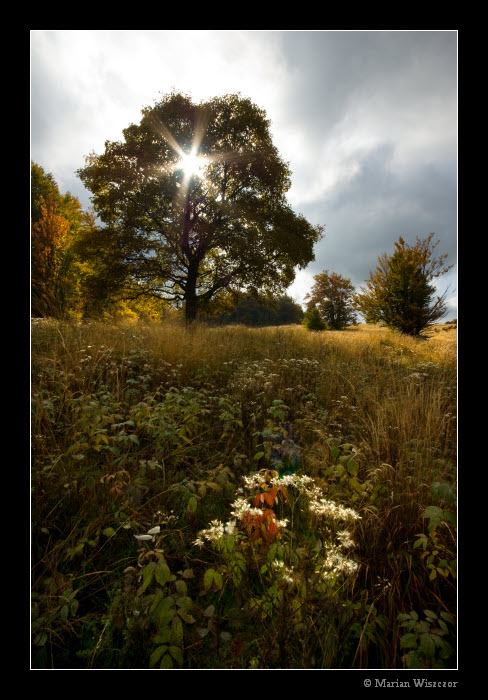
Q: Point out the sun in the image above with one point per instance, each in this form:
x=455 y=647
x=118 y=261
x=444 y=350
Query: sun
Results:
x=192 y=164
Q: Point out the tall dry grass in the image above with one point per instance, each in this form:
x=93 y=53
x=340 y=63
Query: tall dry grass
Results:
x=384 y=400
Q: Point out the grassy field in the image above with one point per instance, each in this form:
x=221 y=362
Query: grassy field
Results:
x=242 y=498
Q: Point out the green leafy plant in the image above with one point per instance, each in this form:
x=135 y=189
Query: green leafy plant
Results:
x=427 y=640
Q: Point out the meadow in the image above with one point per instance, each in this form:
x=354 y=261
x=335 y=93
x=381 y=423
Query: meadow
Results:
x=242 y=498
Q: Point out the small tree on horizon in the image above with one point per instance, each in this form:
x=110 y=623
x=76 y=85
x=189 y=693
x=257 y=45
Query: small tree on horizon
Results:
x=313 y=320
x=332 y=295
x=399 y=293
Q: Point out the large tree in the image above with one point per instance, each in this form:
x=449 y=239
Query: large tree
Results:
x=332 y=295
x=192 y=202
x=399 y=293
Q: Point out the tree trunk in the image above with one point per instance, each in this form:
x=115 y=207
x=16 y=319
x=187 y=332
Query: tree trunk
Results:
x=191 y=299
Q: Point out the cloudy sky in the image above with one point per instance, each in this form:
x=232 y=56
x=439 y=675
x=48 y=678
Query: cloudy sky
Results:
x=366 y=119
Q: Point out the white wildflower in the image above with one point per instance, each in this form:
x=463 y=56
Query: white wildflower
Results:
x=230 y=527
x=241 y=507
x=336 y=563
x=330 y=509
x=213 y=533
x=345 y=539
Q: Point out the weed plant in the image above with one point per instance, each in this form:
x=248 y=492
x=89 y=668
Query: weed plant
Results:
x=242 y=498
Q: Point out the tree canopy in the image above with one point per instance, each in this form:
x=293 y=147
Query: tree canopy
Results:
x=56 y=221
x=193 y=202
x=399 y=293
x=332 y=295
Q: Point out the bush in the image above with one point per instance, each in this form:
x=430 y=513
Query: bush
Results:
x=313 y=321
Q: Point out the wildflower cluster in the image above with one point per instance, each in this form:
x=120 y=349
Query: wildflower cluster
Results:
x=254 y=518
x=335 y=563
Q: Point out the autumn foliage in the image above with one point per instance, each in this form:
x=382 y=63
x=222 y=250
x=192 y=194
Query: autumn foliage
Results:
x=264 y=525
x=331 y=295
x=47 y=236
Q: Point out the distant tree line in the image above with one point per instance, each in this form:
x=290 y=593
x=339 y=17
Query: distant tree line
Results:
x=251 y=312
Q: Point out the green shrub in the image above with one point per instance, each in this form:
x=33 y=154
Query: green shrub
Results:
x=313 y=321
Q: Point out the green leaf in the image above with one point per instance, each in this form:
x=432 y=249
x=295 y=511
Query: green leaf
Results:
x=334 y=452
x=443 y=491
x=185 y=616
x=451 y=518
x=181 y=587
x=177 y=632
x=443 y=626
x=164 y=612
x=447 y=617
x=403 y=616
x=408 y=641
x=427 y=644
x=184 y=602
x=163 y=636
x=41 y=639
x=156 y=655
x=166 y=662
x=208 y=578
x=218 y=580
x=422 y=541
x=258 y=455
x=177 y=654
x=162 y=573
x=147 y=575
x=429 y=613
x=352 y=467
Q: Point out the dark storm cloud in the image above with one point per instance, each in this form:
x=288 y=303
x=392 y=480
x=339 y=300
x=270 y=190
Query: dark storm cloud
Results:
x=332 y=72
x=380 y=115
x=365 y=216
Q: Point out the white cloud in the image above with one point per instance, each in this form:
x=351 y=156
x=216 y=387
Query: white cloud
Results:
x=90 y=84
x=303 y=283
